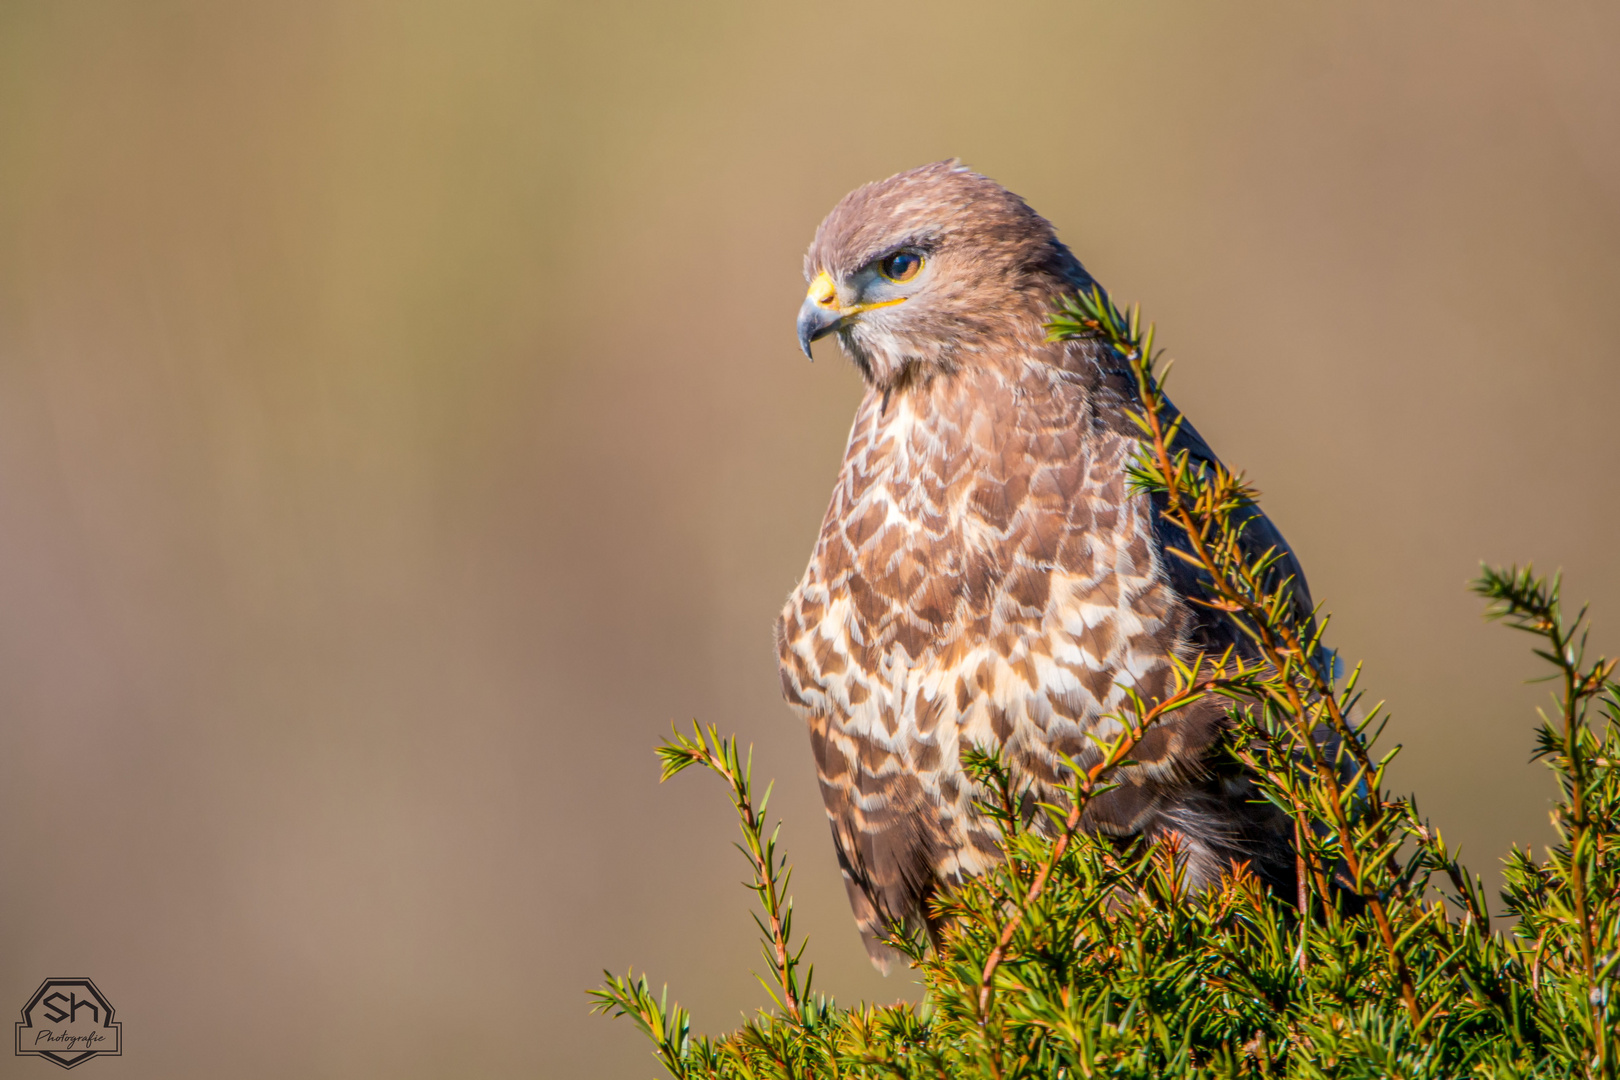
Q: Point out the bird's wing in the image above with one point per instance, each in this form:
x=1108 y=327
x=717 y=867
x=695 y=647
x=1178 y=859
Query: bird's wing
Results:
x=1260 y=537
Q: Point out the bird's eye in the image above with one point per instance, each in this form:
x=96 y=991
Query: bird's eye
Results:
x=901 y=266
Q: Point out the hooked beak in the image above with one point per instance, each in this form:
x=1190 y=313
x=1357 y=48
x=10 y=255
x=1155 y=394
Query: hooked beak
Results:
x=819 y=314
x=816 y=322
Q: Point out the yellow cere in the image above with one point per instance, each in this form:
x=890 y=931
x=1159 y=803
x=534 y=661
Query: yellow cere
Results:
x=824 y=293
x=822 y=290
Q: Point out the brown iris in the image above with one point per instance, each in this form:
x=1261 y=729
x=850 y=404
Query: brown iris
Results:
x=901 y=266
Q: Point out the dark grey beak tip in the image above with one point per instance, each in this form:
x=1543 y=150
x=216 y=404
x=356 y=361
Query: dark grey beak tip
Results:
x=815 y=323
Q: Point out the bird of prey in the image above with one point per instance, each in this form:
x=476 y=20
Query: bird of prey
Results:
x=985 y=574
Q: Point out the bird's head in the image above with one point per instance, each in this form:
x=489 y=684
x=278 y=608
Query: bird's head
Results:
x=930 y=271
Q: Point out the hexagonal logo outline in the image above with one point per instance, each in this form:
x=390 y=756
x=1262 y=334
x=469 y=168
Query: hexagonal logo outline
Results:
x=59 y=1000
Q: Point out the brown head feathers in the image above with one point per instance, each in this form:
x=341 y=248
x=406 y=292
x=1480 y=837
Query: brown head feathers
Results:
x=991 y=268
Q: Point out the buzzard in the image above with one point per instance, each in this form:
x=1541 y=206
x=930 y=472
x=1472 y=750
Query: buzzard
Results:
x=985 y=573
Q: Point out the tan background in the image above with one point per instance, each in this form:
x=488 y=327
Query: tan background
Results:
x=401 y=424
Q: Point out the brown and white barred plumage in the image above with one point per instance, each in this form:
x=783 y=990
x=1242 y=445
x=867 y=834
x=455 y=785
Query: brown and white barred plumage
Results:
x=984 y=574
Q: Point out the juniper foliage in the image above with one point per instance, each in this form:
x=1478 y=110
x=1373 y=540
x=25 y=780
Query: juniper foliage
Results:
x=1083 y=956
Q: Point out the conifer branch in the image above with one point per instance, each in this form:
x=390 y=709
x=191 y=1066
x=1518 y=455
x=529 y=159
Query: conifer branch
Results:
x=770 y=869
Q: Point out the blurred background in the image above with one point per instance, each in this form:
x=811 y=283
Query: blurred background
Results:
x=401 y=424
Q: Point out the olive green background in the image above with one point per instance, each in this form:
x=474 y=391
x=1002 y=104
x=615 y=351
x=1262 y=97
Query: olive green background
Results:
x=401 y=424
